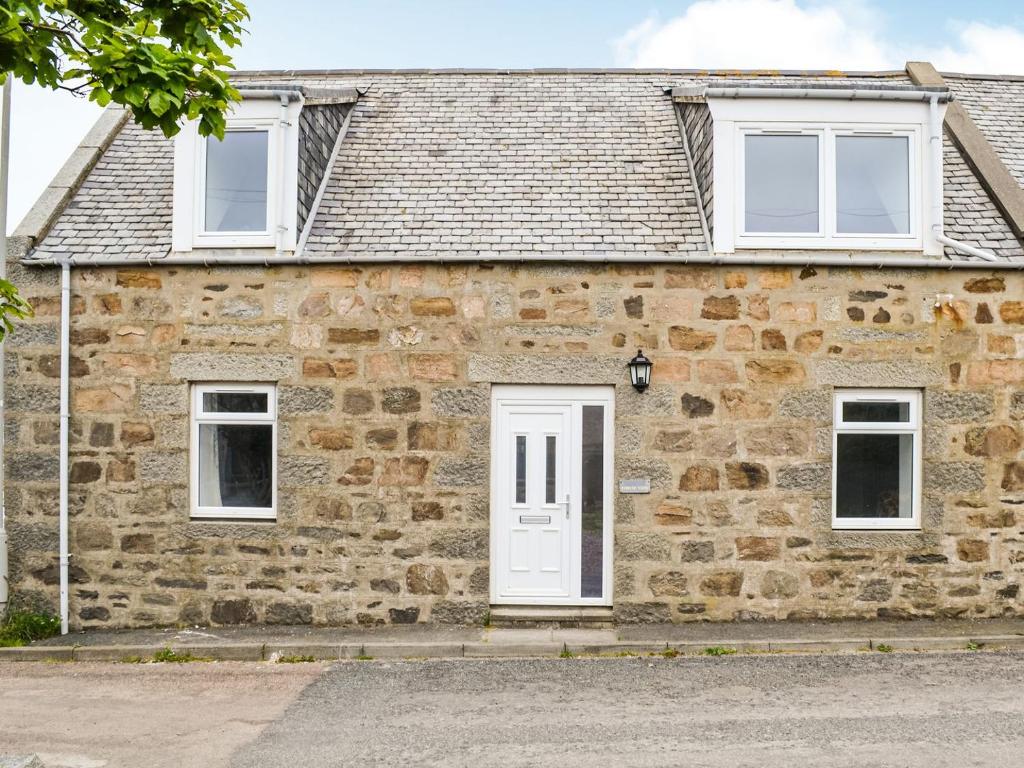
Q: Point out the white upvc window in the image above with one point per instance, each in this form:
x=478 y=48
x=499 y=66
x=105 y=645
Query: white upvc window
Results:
x=876 y=459
x=806 y=186
x=235 y=189
x=817 y=174
x=234 y=451
x=240 y=191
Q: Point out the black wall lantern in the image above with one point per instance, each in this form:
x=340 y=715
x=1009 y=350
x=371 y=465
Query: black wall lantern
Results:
x=640 y=371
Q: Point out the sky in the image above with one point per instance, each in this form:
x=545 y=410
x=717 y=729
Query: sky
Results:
x=984 y=36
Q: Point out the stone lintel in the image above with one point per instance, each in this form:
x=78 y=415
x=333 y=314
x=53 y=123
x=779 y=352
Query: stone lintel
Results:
x=215 y=366
x=878 y=373
x=542 y=369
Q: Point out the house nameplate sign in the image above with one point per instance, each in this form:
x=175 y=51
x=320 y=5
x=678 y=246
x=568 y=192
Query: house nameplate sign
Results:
x=635 y=485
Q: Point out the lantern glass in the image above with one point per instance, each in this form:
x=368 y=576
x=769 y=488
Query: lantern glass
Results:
x=640 y=371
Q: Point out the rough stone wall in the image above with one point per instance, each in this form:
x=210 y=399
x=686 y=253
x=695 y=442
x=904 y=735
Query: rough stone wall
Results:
x=319 y=125
x=699 y=133
x=383 y=378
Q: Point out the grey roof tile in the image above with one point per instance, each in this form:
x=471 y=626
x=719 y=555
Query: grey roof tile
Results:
x=477 y=164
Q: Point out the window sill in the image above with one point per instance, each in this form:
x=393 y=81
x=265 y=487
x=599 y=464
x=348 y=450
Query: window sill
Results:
x=219 y=516
x=868 y=527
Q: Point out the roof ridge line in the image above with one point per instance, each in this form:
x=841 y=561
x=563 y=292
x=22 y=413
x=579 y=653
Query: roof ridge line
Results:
x=705 y=72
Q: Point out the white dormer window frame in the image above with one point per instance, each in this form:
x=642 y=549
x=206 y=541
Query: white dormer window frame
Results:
x=263 y=115
x=829 y=121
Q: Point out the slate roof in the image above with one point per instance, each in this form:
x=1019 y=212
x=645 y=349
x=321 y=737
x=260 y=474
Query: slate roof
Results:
x=997 y=106
x=477 y=163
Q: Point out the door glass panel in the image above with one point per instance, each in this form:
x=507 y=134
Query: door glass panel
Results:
x=520 y=469
x=549 y=470
x=592 y=507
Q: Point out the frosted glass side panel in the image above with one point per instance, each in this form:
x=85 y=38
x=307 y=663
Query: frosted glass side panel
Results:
x=593 y=501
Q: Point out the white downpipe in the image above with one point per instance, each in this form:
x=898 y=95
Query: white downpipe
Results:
x=5 y=152
x=938 y=225
x=279 y=227
x=65 y=417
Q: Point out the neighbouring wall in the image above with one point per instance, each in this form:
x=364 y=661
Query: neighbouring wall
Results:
x=384 y=376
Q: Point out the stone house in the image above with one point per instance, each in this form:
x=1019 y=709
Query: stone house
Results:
x=367 y=359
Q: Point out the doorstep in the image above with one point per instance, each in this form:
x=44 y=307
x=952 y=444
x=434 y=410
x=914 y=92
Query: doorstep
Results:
x=428 y=642
x=543 y=616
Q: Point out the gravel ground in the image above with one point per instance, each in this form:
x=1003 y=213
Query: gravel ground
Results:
x=863 y=710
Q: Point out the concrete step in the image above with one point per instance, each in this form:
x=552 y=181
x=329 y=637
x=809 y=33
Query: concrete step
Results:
x=540 y=616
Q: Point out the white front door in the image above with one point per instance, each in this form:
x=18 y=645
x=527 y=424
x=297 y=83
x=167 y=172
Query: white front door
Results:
x=551 y=460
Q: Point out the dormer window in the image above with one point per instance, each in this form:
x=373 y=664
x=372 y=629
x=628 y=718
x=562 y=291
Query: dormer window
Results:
x=816 y=168
x=823 y=185
x=240 y=191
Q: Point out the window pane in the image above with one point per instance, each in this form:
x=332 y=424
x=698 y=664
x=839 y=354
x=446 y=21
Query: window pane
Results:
x=520 y=469
x=877 y=412
x=236 y=182
x=592 y=507
x=236 y=465
x=235 y=402
x=551 y=461
x=781 y=187
x=874 y=475
x=873 y=185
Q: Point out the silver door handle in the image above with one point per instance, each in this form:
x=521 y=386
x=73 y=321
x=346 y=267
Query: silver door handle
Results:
x=566 y=504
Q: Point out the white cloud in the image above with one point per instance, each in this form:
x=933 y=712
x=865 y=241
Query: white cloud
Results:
x=980 y=48
x=781 y=34
x=755 y=34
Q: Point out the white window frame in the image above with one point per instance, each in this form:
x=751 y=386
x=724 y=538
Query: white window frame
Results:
x=734 y=118
x=827 y=234
x=188 y=231
x=910 y=427
x=759 y=239
x=218 y=239
x=200 y=416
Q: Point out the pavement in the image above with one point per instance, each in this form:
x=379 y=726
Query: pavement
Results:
x=863 y=710
x=438 y=642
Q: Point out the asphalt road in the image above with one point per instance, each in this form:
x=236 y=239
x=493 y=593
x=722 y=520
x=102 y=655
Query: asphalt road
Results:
x=863 y=710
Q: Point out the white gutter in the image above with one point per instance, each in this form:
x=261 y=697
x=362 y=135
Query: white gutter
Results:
x=269 y=93
x=65 y=417
x=5 y=153
x=800 y=260
x=938 y=225
x=858 y=94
